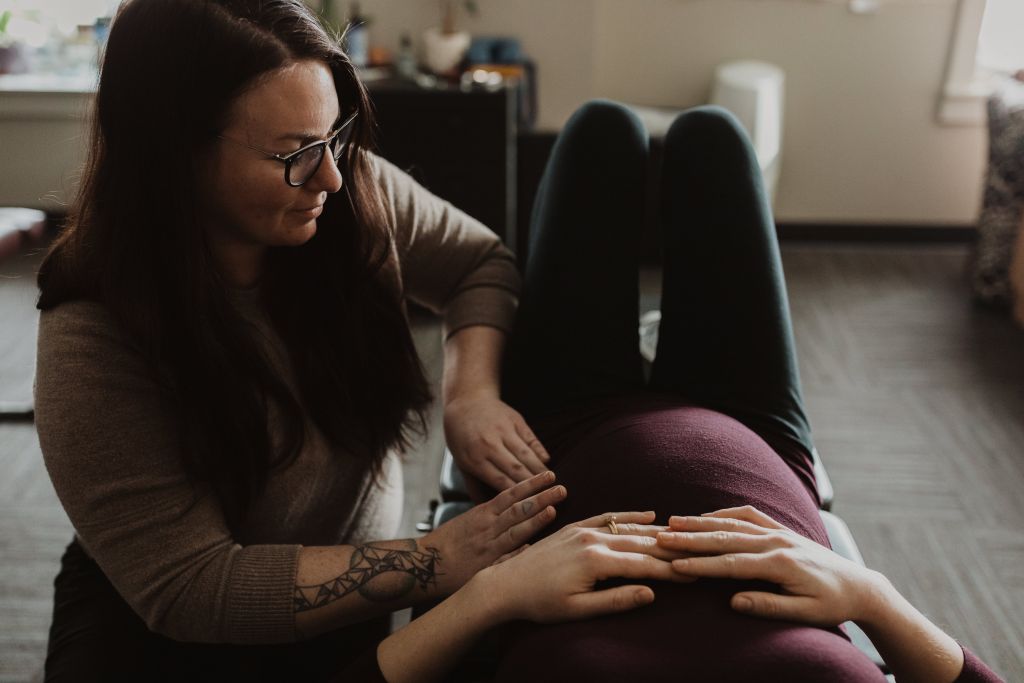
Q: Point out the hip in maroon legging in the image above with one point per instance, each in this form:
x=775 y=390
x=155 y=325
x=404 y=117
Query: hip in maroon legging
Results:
x=720 y=422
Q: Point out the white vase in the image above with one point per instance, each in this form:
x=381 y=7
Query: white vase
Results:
x=442 y=52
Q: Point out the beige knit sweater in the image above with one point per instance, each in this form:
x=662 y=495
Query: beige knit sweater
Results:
x=110 y=443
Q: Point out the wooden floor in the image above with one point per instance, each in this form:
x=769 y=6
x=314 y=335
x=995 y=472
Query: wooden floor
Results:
x=917 y=404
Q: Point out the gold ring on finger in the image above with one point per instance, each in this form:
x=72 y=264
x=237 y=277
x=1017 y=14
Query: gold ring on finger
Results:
x=612 y=525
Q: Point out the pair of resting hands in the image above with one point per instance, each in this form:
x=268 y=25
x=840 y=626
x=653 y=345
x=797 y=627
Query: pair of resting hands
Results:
x=492 y=576
x=554 y=579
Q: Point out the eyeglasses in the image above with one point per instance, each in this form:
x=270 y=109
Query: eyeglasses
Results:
x=303 y=163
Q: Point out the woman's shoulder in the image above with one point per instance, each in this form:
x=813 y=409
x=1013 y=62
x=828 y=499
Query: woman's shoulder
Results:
x=77 y=311
x=84 y=365
x=384 y=171
x=79 y=329
x=402 y=195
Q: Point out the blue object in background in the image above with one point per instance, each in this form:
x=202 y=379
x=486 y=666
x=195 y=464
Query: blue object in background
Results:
x=496 y=50
x=357 y=38
x=499 y=50
x=357 y=44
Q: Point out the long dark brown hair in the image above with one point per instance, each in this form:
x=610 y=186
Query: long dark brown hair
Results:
x=134 y=244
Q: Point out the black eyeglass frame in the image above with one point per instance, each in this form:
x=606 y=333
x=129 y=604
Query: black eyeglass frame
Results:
x=288 y=159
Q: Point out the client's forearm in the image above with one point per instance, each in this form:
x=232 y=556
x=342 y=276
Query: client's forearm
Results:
x=338 y=585
x=914 y=648
x=429 y=646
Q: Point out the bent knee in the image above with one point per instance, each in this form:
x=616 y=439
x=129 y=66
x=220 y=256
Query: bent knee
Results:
x=709 y=123
x=603 y=122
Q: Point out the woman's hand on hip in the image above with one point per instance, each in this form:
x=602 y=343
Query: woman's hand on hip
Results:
x=553 y=580
x=489 y=531
x=491 y=441
x=817 y=585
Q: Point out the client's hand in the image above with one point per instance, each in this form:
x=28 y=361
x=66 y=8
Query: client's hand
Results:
x=553 y=580
x=491 y=441
x=478 y=537
x=818 y=586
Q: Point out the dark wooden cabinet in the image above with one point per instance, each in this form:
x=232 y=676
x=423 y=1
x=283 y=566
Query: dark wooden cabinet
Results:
x=461 y=145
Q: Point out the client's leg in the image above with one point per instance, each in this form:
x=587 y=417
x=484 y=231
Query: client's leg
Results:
x=659 y=452
x=725 y=339
x=576 y=331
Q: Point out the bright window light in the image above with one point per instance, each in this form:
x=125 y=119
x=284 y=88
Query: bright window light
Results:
x=1000 y=44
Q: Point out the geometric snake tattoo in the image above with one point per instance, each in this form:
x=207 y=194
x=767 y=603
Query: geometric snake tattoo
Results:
x=368 y=562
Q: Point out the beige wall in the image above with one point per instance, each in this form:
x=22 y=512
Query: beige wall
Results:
x=860 y=144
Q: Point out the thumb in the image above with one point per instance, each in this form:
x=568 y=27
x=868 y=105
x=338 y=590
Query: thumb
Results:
x=618 y=599
x=774 y=606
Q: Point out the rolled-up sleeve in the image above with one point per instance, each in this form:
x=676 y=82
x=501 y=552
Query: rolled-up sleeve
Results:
x=450 y=263
x=975 y=670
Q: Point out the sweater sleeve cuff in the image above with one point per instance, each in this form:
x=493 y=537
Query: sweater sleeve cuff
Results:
x=975 y=670
x=260 y=605
x=484 y=305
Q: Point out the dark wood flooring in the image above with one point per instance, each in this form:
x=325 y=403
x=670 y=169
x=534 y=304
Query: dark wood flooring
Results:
x=916 y=399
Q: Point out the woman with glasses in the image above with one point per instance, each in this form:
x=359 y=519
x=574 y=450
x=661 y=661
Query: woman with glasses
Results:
x=226 y=371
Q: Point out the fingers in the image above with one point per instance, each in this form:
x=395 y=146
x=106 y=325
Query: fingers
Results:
x=525 y=509
x=638 y=565
x=494 y=477
x=747 y=513
x=719 y=542
x=618 y=599
x=531 y=440
x=732 y=566
x=621 y=519
x=632 y=529
x=775 y=606
x=519 y=533
x=643 y=544
x=517 y=492
x=524 y=454
x=695 y=524
x=508 y=464
x=520 y=515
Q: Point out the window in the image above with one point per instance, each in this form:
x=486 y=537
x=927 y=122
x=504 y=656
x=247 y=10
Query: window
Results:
x=54 y=36
x=1000 y=41
x=963 y=98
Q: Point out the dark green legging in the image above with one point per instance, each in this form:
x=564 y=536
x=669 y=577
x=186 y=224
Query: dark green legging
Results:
x=725 y=339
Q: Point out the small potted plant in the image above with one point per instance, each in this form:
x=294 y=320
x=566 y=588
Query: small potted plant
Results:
x=445 y=46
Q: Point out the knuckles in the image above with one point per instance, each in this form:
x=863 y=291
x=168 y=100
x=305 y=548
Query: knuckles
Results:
x=751 y=511
x=768 y=608
x=591 y=555
x=721 y=538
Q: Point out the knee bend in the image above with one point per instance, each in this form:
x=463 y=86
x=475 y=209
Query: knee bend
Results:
x=707 y=125
x=602 y=122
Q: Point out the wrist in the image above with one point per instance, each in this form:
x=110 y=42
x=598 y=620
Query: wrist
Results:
x=446 y=579
x=480 y=391
x=485 y=591
x=877 y=599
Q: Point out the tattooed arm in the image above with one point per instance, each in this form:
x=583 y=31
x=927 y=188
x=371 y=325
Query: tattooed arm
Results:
x=344 y=584
x=338 y=585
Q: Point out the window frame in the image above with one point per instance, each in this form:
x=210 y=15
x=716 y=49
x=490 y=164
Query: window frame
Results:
x=967 y=85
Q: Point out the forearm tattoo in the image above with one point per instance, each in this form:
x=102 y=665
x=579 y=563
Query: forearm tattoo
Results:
x=406 y=567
